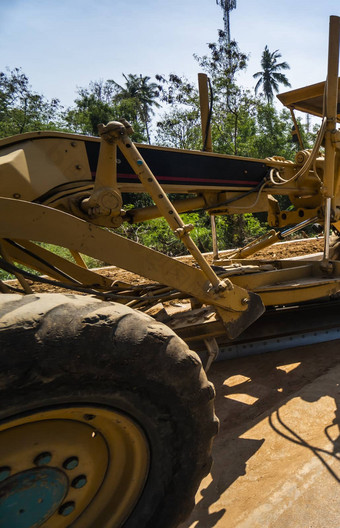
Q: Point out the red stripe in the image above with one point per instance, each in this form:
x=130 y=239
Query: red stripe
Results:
x=190 y=180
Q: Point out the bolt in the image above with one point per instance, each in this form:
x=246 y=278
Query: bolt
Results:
x=221 y=287
x=67 y=508
x=17 y=195
x=73 y=144
x=79 y=482
x=43 y=459
x=78 y=167
x=71 y=463
x=245 y=300
x=5 y=472
x=139 y=162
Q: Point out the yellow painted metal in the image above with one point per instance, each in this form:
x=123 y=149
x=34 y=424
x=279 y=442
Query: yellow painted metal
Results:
x=38 y=259
x=105 y=200
x=182 y=206
x=112 y=452
x=287 y=218
x=231 y=297
x=204 y=106
x=296 y=128
x=291 y=282
x=29 y=157
x=41 y=165
x=4 y=253
x=309 y=99
x=129 y=255
x=331 y=105
x=78 y=258
x=32 y=221
x=73 y=168
x=256 y=245
x=163 y=203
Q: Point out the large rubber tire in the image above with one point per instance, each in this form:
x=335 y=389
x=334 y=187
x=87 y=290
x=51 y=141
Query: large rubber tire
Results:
x=64 y=351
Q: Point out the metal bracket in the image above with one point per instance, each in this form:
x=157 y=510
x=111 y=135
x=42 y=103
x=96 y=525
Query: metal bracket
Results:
x=213 y=351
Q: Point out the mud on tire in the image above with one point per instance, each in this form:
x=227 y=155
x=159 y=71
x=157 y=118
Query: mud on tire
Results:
x=69 y=350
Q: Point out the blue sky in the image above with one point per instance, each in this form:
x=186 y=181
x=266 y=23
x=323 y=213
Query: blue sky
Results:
x=64 y=44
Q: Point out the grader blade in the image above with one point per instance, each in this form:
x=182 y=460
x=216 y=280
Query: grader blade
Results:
x=255 y=309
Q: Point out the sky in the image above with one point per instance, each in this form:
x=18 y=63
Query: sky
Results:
x=64 y=44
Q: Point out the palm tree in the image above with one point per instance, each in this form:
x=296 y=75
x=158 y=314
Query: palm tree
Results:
x=141 y=94
x=227 y=6
x=270 y=76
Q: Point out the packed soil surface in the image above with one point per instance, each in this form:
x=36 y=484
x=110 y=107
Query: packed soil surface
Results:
x=295 y=248
x=281 y=250
x=276 y=457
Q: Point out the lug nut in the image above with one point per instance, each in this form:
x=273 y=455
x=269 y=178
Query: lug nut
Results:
x=79 y=482
x=43 y=459
x=67 y=508
x=71 y=463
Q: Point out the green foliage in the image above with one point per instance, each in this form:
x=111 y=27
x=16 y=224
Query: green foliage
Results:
x=57 y=250
x=273 y=133
x=270 y=77
x=140 y=95
x=96 y=104
x=233 y=121
x=23 y=110
x=224 y=62
x=232 y=231
x=180 y=125
x=180 y=129
x=102 y=102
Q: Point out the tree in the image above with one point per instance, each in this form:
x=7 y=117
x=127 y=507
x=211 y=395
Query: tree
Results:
x=142 y=95
x=180 y=129
x=180 y=125
x=270 y=76
x=273 y=135
x=233 y=117
x=225 y=59
x=96 y=104
x=22 y=109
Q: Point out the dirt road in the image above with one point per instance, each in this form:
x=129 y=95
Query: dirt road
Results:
x=276 y=458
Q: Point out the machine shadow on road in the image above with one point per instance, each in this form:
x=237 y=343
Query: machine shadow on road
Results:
x=250 y=390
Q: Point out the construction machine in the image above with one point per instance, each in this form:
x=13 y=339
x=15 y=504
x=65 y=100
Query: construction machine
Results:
x=106 y=415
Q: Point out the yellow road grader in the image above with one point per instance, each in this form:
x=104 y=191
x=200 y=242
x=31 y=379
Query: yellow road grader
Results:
x=106 y=415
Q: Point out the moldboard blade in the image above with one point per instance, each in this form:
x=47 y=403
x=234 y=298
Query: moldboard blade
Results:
x=239 y=321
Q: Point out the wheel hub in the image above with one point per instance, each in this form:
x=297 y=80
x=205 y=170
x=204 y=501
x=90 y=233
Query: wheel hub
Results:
x=56 y=464
x=29 y=498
